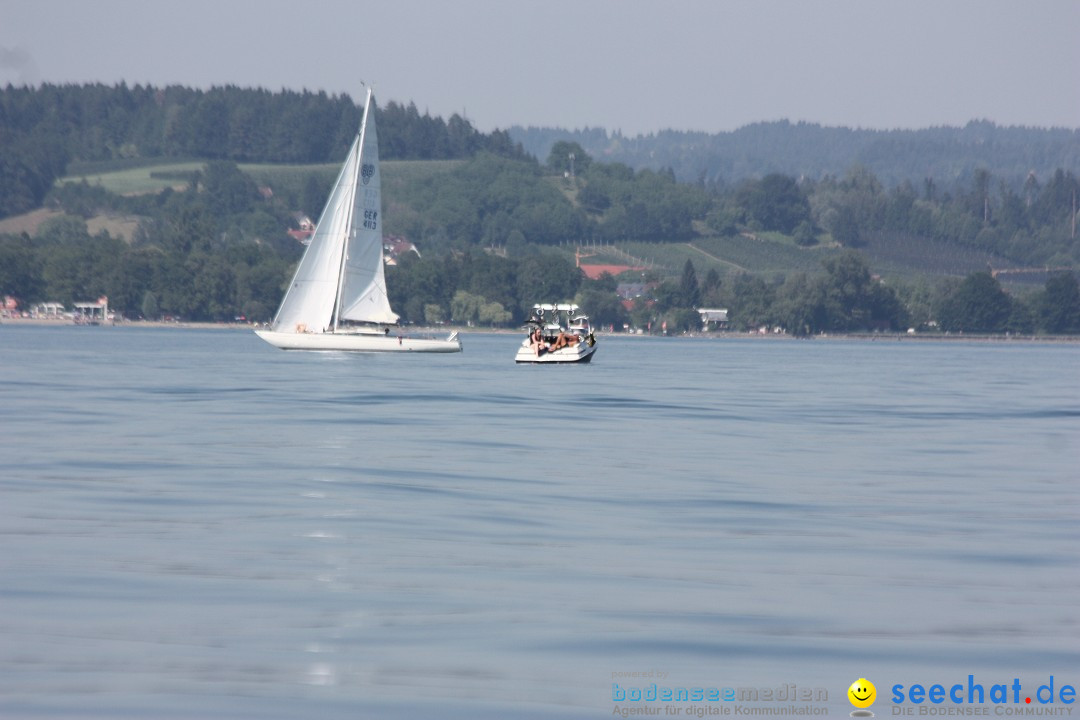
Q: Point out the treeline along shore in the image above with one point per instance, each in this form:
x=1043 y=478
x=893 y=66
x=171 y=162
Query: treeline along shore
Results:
x=480 y=227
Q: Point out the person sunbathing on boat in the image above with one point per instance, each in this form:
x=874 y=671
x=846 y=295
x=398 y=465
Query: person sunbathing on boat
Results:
x=536 y=341
x=565 y=339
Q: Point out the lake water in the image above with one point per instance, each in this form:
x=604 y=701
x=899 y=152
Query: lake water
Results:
x=194 y=524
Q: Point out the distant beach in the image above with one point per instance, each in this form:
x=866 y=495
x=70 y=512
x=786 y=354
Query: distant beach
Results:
x=66 y=321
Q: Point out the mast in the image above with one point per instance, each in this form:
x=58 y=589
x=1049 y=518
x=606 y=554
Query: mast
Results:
x=352 y=208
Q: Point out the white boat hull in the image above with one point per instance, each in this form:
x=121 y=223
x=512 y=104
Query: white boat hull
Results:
x=582 y=352
x=359 y=342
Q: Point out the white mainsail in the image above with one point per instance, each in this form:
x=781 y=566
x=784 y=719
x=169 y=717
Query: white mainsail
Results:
x=363 y=290
x=329 y=287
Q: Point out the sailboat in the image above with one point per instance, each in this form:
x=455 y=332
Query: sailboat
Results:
x=337 y=299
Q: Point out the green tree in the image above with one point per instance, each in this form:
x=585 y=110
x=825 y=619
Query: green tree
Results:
x=213 y=287
x=313 y=195
x=775 y=202
x=1058 y=306
x=724 y=219
x=434 y=314
x=978 y=304
x=415 y=282
x=260 y=285
x=77 y=266
x=490 y=276
x=1054 y=204
x=800 y=305
x=855 y=300
x=185 y=227
x=130 y=278
x=30 y=162
x=646 y=205
x=682 y=320
x=606 y=281
x=568 y=157
x=845 y=228
x=752 y=302
x=804 y=234
x=150 y=309
x=20 y=270
x=227 y=190
x=62 y=230
x=711 y=289
x=668 y=296
x=847 y=293
x=492 y=314
x=516 y=245
x=465 y=307
x=1021 y=317
x=688 y=286
x=593 y=198
x=545 y=279
x=603 y=307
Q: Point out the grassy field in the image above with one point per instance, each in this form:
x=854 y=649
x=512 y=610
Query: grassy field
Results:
x=136 y=180
x=142 y=178
x=122 y=226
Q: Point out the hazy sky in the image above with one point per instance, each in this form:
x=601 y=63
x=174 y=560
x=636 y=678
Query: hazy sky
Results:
x=638 y=66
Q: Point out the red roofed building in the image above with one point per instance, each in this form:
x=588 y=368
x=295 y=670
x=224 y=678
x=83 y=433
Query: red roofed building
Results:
x=395 y=246
x=307 y=229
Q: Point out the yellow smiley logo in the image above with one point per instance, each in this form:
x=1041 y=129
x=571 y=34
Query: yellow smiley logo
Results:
x=862 y=693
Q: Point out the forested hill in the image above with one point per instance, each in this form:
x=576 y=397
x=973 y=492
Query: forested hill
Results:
x=944 y=154
x=43 y=129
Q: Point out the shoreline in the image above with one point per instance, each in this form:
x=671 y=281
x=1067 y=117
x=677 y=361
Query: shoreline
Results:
x=863 y=336
x=67 y=322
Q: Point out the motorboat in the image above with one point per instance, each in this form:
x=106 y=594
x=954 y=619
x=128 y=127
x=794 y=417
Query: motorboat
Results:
x=557 y=333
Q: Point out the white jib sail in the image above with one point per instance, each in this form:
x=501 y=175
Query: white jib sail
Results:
x=308 y=305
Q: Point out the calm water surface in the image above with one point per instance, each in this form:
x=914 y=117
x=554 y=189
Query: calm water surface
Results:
x=194 y=524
